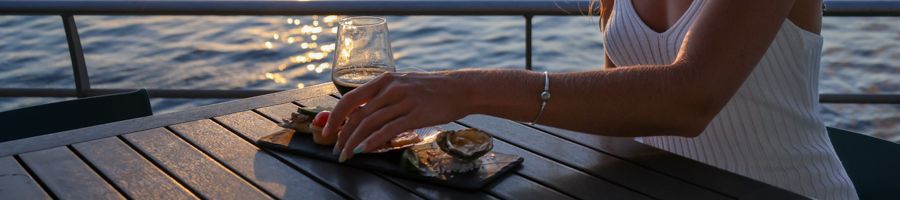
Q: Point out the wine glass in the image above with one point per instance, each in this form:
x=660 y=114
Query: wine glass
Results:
x=363 y=52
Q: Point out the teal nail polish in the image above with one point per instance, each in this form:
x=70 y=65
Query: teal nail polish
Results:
x=357 y=150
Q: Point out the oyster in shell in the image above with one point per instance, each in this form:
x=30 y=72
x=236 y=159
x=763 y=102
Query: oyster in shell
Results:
x=466 y=144
x=432 y=161
x=458 y=151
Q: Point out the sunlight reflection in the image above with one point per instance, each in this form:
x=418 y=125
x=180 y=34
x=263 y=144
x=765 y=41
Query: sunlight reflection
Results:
x=328 y=48
x=278 y=78
x=316 y=55
x=300 y=59
x=330 y=18
x=315 y=37
x=320 y=69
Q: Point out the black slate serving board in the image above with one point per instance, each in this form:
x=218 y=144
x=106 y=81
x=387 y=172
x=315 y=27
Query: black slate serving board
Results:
x=390 y=162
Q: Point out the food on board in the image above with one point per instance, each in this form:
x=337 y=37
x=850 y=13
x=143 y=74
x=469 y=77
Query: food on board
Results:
x=446 y=152
x=317 y=125
x=405 y=138
x=467 y=144
x=451 y=152
x=301 y=119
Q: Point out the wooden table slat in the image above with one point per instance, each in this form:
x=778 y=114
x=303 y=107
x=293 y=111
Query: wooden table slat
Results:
x=589 y=160
x=126 y=168
x=517 y=187
x=674 y=165
x=353 y=182
x=260 y=167
x=17 y=183
x=432 y=191
x=67 y=176
x=200 y=172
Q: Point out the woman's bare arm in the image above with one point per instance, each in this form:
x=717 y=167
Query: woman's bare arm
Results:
x=720 y=50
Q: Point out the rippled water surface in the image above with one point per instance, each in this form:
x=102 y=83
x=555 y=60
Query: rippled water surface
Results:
x=861 y=55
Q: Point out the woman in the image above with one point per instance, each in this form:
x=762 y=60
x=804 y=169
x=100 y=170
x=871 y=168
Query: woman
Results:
x=733 y=84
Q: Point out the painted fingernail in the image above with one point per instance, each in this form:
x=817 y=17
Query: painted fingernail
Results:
x=336 y=150
x=342 y=158
x=359 y=149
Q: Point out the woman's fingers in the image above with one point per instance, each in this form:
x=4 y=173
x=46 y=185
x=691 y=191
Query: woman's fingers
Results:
x=377 y=103
x=387 y=132
x=367 y=126
x=353 y=100
x=352 y=121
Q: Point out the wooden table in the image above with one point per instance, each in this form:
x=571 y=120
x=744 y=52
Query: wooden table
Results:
x=208 y=152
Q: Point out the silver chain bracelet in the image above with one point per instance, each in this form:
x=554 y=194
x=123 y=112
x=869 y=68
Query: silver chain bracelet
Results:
x=545 y=96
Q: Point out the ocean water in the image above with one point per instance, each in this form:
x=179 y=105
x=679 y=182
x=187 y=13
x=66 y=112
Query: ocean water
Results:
x=861 y=54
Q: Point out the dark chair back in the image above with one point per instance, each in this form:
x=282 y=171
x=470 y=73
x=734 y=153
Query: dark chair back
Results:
x=870 y=162
x=73 y=114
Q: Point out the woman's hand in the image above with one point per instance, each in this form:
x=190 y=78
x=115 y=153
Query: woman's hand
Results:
x=391 y=104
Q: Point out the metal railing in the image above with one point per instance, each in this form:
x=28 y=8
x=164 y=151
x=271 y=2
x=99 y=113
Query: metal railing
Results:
x=526 y=8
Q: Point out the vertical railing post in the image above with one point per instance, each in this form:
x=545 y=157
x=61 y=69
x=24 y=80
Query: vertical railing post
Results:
x=528 y=42
x=79 y=70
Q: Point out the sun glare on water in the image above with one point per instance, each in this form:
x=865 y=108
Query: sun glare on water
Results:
x=310 y=41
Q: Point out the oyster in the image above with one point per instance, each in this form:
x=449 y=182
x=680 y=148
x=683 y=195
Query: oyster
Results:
x=466 y=144
x=430 y=160
x=450 y=152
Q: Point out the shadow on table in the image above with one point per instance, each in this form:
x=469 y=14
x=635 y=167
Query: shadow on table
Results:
x=348 y=180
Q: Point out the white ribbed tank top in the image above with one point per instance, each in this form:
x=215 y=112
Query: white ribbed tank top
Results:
x=769 y=130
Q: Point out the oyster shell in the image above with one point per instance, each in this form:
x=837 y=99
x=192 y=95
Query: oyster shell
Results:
x=432 y=161
x=466 y=144
x=449 y=152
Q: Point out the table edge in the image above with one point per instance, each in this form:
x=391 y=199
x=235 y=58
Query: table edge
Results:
x=73 y=136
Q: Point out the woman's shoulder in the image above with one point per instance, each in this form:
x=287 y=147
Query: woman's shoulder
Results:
x=603 y=10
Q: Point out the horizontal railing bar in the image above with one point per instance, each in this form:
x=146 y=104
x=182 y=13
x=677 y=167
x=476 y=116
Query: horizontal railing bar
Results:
x=860 y=98
x=359 y=7
x=154 y=93
x=862 y=8
x=213 y=94
x=282 y=7
x=37 y=92
x=189 y=93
